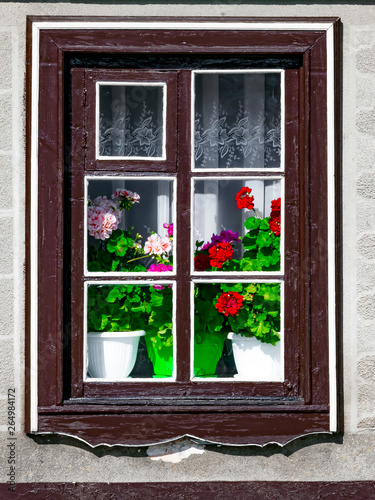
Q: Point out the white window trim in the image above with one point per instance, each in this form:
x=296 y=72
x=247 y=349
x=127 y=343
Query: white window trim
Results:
x=328 y=27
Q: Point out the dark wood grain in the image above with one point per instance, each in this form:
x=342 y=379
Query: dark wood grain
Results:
x=292 y=285
x=319 y=223
x=132 y=164
x=76 y=207
x=223 y=427
x=305 y=240
x=220 y=490
x=183 y=225
x=186 y=388
x=180 y=41
x=50 y=158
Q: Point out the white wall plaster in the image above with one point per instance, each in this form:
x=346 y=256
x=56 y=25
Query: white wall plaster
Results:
x=354 y=458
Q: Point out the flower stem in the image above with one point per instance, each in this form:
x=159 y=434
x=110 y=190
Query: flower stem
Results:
x=259 y=217
x=137 y=258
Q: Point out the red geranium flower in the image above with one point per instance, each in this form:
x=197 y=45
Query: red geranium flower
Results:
x=243 y=199
x=275 y=225
x=220 y=253
x=275 y=208
x=275 y=219
x=201 y=262
x=229 y=303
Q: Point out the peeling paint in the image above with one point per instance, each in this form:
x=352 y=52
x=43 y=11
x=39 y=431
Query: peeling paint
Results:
x=175 y=452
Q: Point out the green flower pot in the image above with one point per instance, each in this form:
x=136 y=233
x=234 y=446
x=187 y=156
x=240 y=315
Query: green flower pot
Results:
x=161 y=357
x=207 y=352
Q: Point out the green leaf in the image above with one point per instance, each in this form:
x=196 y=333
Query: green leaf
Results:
x=250 y=264
x=260 y=329
x=252 y=288
x=231 y=287
x=231 y=265
x=137 y=309
x=249 y=241
x=264 y=239
x=118 y=243
x=252 y=223
x=264 y=225
x=238 y=321
x=156 y=299
x=114 y=294
x=115 y=264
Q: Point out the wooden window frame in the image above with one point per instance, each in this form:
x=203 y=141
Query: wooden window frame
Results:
x=133 y=164
x=235 y=415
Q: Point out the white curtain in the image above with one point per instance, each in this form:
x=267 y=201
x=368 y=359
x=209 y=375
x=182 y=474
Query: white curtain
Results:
x=237 y=120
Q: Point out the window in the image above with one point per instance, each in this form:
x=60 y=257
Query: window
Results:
x=182 y=190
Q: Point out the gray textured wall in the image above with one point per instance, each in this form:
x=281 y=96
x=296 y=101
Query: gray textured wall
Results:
x=313 y=458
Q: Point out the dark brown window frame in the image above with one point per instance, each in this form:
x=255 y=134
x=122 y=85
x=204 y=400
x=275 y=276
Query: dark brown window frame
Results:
x=235 y=414
x=166 y=165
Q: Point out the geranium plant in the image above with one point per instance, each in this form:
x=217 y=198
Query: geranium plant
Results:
x=120 y=249
x=249 y=309
x=115 y=308
x=261 y=243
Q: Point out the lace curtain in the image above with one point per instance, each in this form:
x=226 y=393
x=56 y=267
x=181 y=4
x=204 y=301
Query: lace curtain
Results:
x=131 y=120
x=237 y=120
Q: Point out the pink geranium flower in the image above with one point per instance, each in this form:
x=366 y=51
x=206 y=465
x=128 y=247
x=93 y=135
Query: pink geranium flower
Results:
x=103 y=217
x=126 y=198
x=159 y=268
x=169 y=227
x=156 y=245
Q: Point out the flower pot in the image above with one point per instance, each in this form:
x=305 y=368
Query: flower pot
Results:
x=207 y=352
x=112 y=355
x=255 y=360
x=161 y=357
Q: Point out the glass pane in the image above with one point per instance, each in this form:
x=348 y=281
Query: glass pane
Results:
x=237 y=120
x=130 y=225
x=130 y=331
x=237 y=225
x=237 y=331
x=131 y=120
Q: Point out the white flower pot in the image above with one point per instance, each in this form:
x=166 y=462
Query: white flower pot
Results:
x=255 y=360
x=112 y=355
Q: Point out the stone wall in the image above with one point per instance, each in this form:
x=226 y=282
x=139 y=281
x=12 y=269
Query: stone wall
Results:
x=315 y=458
